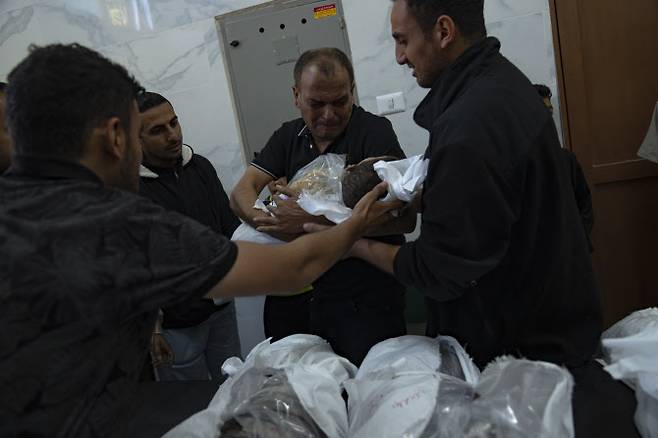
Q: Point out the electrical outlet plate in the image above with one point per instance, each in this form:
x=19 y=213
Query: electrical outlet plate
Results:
x=391 y=103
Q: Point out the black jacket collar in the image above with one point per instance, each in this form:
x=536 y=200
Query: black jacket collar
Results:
x=454 y=80
x=50 y=168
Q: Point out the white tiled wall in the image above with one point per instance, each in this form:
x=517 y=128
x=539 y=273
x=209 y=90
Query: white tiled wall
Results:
x=171 y=46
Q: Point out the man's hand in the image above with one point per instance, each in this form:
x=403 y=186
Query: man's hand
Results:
x=401 y=223
x=368 y=210
x=372 y=211
x=272 y=185
x=161 y=352
x=289 y=218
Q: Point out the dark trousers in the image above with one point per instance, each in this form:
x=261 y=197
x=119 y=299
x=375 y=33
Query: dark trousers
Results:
x=352 y=325
x=285 y=316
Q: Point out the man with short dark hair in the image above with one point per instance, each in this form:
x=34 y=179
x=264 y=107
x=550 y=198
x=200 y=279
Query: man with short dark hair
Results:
x=86 y=263
x=201 y=333
x=5 y=141
x=354 y=305
x=502 y=256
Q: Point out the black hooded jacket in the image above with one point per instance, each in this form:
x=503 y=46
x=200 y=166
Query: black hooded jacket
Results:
x=502 y=255
x=194 y=190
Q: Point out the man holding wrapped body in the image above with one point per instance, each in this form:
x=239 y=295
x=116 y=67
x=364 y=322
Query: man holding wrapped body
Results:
x=354 y=305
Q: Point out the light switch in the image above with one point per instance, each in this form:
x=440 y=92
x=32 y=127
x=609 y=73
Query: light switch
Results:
x=391 y=103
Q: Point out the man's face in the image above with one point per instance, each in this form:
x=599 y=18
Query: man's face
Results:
x=325 y=102
x=130 y=163
x=421 y=52
x=161 y=135
x=5 y=141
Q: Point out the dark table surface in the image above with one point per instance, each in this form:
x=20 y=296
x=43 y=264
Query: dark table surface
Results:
x=602 y=407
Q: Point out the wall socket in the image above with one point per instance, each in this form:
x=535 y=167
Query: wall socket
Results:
x=391 y=103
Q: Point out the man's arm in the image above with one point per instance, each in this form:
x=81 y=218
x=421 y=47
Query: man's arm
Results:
x=288 y=219
x=246 y=192
x=282 y=268
x=228 y=221
x=379 y=254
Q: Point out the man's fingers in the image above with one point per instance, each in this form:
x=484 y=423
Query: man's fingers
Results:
x=266 y=221
x=391 y=205
x=270 y=229
x=376 y=193
x=286 y=191
x=365 y=203
x=314 y=228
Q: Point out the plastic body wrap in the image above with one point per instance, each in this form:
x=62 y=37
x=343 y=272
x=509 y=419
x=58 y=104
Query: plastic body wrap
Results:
x=522 y=398
x=269 y=408
x=419 y=354
x=268 y=384
x=319 y=184
x=395 y=390
x=413 y=387
x=321 y=177
x=630 y=349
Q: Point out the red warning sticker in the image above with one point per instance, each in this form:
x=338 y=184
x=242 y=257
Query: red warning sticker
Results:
x=324 y=11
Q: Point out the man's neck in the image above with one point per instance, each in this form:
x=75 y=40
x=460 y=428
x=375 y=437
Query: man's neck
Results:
x=158 y=163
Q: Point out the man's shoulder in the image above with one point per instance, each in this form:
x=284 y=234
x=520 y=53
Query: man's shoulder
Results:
x=92 y=202
x=367 y=119
x=292 y=128
x=201 y=161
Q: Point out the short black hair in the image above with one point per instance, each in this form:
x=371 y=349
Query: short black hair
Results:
x=149 y=99
x=468 y=15
x=543 y=91
x=3 y=86
x=325 y=59
x=361 y=179
x=59 y=93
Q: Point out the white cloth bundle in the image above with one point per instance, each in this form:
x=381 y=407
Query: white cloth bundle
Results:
x=405 y=177
x=649 y=148
x=630 y=349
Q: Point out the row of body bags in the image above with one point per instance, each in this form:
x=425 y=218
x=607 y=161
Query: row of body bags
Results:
x=411 y=386
x=630 y=353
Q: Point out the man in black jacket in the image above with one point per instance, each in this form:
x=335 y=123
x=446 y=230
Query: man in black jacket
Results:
x=502 y=255
x=5 y=142
x=201 y=333
x=86 y=262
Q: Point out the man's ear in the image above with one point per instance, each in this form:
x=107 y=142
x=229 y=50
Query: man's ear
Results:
x=115 y=138
x=296 y=95
x=445 y=31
